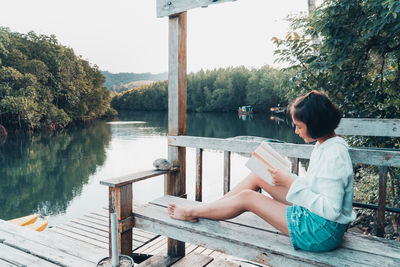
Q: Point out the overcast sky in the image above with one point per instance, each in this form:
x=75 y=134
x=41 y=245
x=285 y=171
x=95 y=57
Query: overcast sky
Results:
x=126 y=35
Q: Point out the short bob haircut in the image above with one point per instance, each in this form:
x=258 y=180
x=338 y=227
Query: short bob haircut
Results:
x=317 y=111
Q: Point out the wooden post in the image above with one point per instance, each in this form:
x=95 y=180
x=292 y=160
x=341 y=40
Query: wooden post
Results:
x=199 y=174
x=120 y=202
x=380 y=219
x=227 y=171
x=295 y=165
x=176 y=182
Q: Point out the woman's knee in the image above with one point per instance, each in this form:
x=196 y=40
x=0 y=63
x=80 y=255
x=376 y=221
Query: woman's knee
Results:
x=247 y=196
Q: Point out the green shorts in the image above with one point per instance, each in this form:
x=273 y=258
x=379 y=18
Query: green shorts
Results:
x=311 y=232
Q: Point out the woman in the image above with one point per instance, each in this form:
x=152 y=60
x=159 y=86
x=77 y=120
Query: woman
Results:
x=314 y=210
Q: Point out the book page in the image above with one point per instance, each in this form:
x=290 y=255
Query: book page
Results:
x=265 y=157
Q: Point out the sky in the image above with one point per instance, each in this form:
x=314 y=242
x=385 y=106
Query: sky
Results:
x=127 y=36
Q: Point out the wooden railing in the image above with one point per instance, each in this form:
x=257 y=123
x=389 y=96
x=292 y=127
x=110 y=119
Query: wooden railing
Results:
x=120 y=189
x=383 y=158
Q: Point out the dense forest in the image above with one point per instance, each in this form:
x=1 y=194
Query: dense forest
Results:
x=122 y=81
x=44 y=85
x=219 y=90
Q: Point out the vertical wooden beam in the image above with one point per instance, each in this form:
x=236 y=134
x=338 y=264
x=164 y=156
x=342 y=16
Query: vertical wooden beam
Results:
x=120 y=202
x=176 y=181
x=380 y=219
x=295 y=165
x=227 y=171
x=199 y=174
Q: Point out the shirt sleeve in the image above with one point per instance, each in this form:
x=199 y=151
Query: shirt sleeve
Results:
x=325 y=196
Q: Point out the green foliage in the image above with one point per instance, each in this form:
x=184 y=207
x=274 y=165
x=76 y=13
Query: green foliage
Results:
x=119 y=82
x=351 y=50
x=148 y=97
x=212 y=90
x=44 y=85
x=355 y=58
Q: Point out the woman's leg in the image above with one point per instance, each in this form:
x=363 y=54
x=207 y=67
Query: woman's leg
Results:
x=272 y=211
x=253 y=182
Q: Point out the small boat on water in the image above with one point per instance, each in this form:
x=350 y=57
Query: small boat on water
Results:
x=243 y=110
x=278 y=110
x=30 y=222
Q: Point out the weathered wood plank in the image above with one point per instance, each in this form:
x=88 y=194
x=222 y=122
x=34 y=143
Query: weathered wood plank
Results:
x=6 y=264
x=149 y=247
x=120 y=202
x=171 y=7
x=20 y=258
x=222 y=263
x=198 y=250
x=83 y=233
x=199 y=174
x=97 y=226
x=373 y=156
x=369 y=127
x=61 y=252
x=76 y=237
x=101 y=213
x=100 y=229
x=133 y=178
x=204 y=234
x=380 y=218
x=158 y=260
x=177 y=78
x=295 y=165
x=177 y=82
x=193 y=260
x=227 y=172
x=356 y=242
x=86 y=219
x=250 y=243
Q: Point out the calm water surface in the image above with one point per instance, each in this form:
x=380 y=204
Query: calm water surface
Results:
x=58 y=174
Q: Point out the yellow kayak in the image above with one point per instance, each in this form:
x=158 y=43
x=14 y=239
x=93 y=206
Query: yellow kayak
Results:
x=38 y=226
x=25 y=220
x=30 y=222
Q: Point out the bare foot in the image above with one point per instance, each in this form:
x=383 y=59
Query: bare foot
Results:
x=180 y=213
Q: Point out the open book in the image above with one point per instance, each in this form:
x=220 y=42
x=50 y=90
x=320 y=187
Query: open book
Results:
x=265 y=157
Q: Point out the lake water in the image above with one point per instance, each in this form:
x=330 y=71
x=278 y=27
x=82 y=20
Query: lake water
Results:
x=58 y=174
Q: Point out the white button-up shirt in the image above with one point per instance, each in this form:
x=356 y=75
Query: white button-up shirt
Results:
x=327 y=188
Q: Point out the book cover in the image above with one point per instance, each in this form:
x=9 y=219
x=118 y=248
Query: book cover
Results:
x=265 y=157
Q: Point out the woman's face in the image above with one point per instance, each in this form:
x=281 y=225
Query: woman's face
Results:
x=301 y=130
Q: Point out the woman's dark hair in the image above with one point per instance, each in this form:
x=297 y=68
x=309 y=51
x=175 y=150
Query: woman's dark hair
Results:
x=317 y=111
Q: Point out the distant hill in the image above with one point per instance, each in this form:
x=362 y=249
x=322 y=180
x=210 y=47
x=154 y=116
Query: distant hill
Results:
x=122 y=81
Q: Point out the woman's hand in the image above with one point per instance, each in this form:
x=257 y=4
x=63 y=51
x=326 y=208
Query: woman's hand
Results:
x=281 y=178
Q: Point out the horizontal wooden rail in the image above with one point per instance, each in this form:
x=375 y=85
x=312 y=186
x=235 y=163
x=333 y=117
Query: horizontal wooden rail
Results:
x=372 y=156
x=172 y=7
x=369 y=127
x=134 y=177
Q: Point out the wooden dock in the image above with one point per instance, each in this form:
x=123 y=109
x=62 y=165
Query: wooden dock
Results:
x=84 y=241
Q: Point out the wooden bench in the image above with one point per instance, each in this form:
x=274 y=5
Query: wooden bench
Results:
x=248 y=236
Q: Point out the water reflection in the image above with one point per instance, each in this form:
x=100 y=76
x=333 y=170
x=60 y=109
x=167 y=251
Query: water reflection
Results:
x=44 y=172
x=219 y=125
x=246 y=117
x=58 y=174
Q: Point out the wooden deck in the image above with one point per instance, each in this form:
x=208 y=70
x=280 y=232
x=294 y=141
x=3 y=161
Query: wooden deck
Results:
x=84 y=241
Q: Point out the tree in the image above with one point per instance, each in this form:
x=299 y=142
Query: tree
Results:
x=44 y=85
x=357 y=61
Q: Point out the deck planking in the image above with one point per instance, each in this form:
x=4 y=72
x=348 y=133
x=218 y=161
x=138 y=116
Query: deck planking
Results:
x=84 y=241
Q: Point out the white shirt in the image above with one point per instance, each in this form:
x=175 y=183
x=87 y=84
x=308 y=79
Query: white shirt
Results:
x=327 y=188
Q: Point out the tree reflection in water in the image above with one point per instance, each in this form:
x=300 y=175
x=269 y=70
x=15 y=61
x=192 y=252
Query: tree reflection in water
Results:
x=43 y=172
